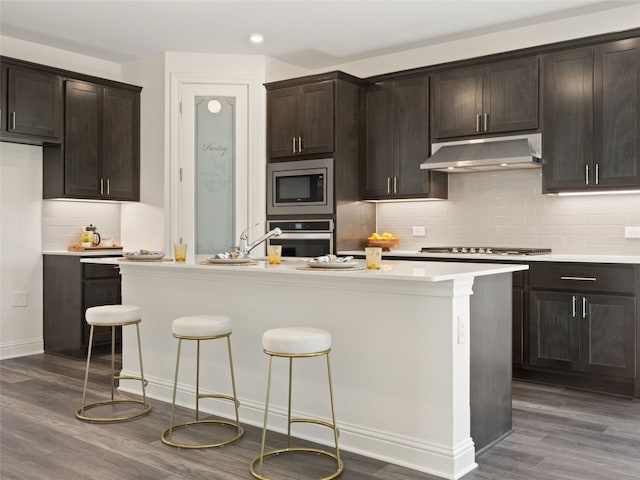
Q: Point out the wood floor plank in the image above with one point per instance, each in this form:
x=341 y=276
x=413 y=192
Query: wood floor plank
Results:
x=559 y=434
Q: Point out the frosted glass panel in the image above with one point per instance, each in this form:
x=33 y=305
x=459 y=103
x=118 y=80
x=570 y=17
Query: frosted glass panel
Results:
x=215 y=160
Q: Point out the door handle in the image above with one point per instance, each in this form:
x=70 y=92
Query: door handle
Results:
x=478 y=120
x=586 y=174
x=486 y=121
x=102 y=186
x=299 y=144
x=293 y=148
x=597 y=173
x=587 y=279
x=13 y=120
x=395 y=184
x=108 y=187
x=584 y=307
x=573 y=306
x=388 y=184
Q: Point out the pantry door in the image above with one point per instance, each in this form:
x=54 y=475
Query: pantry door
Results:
x=212 y=167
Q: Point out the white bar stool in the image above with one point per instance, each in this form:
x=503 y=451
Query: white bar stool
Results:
x=113 y=316
x=202 y=327
x=297 y=342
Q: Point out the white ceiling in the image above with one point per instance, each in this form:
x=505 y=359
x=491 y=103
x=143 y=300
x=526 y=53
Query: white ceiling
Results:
x=308 y=33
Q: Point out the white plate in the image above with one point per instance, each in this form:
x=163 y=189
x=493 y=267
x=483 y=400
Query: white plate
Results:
x=229 y=260
x=332 y=265
x=143 y=256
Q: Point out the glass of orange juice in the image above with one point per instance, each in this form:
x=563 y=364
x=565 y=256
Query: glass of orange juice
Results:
x=373 y=256
x=180 y=252
x=274 y=252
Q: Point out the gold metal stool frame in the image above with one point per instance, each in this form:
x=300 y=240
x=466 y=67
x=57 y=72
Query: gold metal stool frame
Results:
x=166 y=434
x=335 y=456
x=146 y=408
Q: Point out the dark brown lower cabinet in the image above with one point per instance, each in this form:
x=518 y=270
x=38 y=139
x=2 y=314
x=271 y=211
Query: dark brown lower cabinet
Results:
x=583 y=332
x=70 y=287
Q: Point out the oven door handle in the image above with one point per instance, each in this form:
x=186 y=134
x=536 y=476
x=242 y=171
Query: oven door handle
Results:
x=303 y=236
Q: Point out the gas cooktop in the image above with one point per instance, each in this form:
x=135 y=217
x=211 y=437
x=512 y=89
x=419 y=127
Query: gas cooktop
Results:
x=488 y=250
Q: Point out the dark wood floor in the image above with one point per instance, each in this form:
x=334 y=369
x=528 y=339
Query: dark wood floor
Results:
x=559 y=434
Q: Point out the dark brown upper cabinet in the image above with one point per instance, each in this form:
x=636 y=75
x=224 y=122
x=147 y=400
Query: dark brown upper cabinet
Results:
x=495 y=98
x=100 y=158
x=300 y=119
x=31 y=105
x=591 y=116
x=397 y=141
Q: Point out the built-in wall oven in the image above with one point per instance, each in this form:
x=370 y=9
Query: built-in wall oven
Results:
x=303 y=238
x=303 y=187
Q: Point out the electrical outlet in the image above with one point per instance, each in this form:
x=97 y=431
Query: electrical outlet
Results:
x=418 y=231
x=631 y=232
x=20 y=299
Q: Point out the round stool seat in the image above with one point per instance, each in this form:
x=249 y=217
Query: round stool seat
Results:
x=113 y=314
x=201 y=326
x=296 y=340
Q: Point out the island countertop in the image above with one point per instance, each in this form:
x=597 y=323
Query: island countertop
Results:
x=390 y=270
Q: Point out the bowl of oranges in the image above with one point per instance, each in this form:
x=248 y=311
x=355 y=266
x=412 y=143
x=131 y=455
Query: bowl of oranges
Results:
x=387 y=241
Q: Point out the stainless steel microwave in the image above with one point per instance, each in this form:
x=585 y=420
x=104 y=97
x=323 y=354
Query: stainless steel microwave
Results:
x=301 y=187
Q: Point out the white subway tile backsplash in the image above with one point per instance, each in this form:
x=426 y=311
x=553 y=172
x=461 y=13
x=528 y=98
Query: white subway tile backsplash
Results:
x=62 y=222
x=508 y=208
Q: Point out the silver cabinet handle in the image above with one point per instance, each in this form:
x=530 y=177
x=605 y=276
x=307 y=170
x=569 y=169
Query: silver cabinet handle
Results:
x=108 y=187
x=102 y=186
x=584 y=307
x=573 y=306
x=478 y=120
x=13 y=120
x=597 y=173
x=586 y=174
x=486 y=121
x=299 y=144
x=293 y=149
x=388 y=184
x=395 y=184
x=586 y=279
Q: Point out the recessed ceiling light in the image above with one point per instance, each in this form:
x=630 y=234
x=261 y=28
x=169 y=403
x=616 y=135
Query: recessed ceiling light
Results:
x=256 y=38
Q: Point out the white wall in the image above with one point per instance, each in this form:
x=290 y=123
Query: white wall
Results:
x=508 y=209
x=20 y=249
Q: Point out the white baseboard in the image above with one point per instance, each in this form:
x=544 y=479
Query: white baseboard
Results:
x=21 y=349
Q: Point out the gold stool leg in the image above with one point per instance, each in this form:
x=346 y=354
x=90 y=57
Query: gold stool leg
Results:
x=144 y=382
x=333 y=416
x=266 y=414
x=175 y=388
x=86 y=372
x=233 y=383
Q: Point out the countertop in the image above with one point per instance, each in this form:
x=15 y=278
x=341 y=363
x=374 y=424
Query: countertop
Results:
x=86 y=253
x=391 y=269
x=553 y=257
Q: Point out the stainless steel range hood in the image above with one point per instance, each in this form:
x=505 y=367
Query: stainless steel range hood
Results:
x=478 y=155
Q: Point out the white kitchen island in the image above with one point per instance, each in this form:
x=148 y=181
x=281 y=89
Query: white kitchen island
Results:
x=401 y=356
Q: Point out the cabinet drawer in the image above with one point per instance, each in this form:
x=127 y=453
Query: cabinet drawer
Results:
x=583 y=277
x=93 y=270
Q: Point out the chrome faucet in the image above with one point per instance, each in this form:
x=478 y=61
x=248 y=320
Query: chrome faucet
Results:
x=246 y=247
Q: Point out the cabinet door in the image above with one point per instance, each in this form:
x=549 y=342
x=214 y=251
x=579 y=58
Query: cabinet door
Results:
x=34 y=103
x=283 y=111
x=121 y=145
x=554 y=330
x=411 y=135
x=103 y=291
x=608 y=335
x=511 y=96
x=617 y=114
x=83 y=139
x=568 y=119
x=517 y=347
x=379 y=140
x=456 y=103
x=316 y=118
